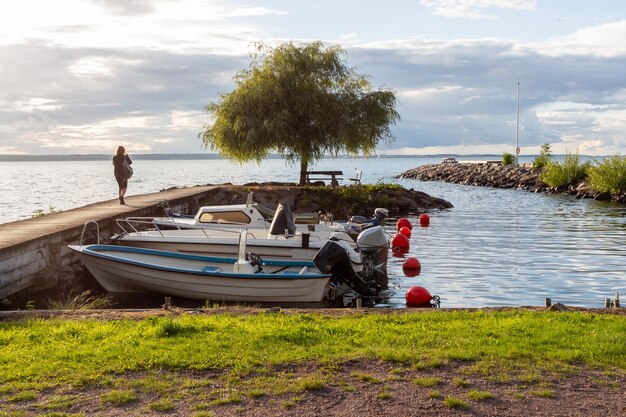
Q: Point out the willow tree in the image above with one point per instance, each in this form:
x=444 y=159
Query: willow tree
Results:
x=303 y=102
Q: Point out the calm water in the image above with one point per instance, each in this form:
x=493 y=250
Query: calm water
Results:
x=494 y=248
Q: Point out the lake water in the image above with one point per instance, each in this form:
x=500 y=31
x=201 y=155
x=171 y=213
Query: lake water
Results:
x=494 y=248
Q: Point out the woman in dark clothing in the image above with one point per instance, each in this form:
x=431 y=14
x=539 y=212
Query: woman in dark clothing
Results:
x=121 y=172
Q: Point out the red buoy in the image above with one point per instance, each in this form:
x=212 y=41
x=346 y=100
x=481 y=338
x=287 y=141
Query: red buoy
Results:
x=418 y=297
x=411 y=267
x=411 y=263
x=405 y=231
x=403 y=222
x=399 y=243
x=424 y=220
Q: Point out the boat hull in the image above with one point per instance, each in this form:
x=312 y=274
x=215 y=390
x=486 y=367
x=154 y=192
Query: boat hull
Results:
x=135 y=270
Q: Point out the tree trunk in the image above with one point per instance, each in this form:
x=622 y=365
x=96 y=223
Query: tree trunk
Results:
x=304 y=163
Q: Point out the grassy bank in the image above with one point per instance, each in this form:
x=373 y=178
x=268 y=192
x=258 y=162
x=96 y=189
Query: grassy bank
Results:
x=46 y=364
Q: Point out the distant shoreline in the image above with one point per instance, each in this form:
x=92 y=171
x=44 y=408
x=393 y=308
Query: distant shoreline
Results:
x=213 y=156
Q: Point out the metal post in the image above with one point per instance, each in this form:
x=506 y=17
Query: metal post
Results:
x=517 y=130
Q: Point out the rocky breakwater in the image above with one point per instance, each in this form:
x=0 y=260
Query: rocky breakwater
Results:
x=480 y=174
x=342 y=202
x=523 y=177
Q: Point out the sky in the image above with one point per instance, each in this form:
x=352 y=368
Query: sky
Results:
x=84 y=76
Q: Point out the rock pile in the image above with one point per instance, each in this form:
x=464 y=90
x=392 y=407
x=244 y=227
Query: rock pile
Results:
x=501 y=176
x=340 y=201
x=480 y=174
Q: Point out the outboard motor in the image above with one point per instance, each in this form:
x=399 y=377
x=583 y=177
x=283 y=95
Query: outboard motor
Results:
x=283 y=221
x=374 y=248
x=334 y=259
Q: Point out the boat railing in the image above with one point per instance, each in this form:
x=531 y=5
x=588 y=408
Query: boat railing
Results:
x=130 y=225
x=82 y=234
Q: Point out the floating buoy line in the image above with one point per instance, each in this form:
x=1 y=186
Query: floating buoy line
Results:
x=416 y=296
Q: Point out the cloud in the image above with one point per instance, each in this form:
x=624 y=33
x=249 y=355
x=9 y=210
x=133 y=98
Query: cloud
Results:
x=606 y=40
x=128 y=7
x=146 y=88
x=474 y=9
x=462 y=92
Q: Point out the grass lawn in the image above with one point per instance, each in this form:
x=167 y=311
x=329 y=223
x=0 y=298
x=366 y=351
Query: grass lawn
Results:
x=163 y=361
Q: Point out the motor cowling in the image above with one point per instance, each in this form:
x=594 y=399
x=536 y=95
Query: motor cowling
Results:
x=373 y=246
x=333 y=259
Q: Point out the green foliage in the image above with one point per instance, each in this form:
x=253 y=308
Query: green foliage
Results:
x=434 y=394
x=426 y=381
x=542 y=393
x=162 y=404
x=83 y=301
x=569 y=172
x=477 y=395
x=508 y=158
x=609 y=175
x=353 y=199
x=384 y=395
x=42 y=212
x=453 y=402
x=544 y=157
x=459 y=382
x=302 y=101
x=118 y=398
x=366 y=378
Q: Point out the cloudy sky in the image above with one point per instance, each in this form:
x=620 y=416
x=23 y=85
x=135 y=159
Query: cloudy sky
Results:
x=83 y=76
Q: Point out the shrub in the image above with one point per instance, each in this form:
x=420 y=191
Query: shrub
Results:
x=609 y=175
x=569 y=172
x=544 y=157
x=508 y=158
x=86 y=300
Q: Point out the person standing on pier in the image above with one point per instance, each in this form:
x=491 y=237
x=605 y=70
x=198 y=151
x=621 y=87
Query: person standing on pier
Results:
x=123 y=171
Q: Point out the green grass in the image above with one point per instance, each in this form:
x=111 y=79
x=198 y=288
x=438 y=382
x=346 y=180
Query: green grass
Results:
x=426 y=381
x=477 y=395
x=547 y=393
x=118 y=398
x=52 y=355
x=384 y=395
x=453 y=402
x=366 y=378
x=434 y=394
x=163 y=404
x=460 y=382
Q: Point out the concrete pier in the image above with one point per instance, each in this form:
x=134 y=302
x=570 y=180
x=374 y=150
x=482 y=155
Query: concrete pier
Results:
x=34 y=253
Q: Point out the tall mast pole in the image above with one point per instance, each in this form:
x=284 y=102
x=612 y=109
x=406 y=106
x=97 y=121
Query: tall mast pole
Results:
x=517 y=130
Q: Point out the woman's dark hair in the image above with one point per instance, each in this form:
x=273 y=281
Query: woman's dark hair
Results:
x=120 y=150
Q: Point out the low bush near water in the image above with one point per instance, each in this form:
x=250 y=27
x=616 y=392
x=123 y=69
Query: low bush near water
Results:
x=508 y=158
x=609 y=175
x=569 y=172
x=544 y=157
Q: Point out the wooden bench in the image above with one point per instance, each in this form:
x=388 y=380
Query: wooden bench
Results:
x=323 y=176
x=449 y=161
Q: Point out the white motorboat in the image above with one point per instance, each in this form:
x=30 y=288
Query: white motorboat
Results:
x=129 y=269
x=252 y=215
x=368 y=255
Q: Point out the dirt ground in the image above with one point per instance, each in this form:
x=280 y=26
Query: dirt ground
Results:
x=373 y=388
x=363 y=388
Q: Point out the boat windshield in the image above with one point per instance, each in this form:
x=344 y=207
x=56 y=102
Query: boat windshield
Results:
x=266 y=211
